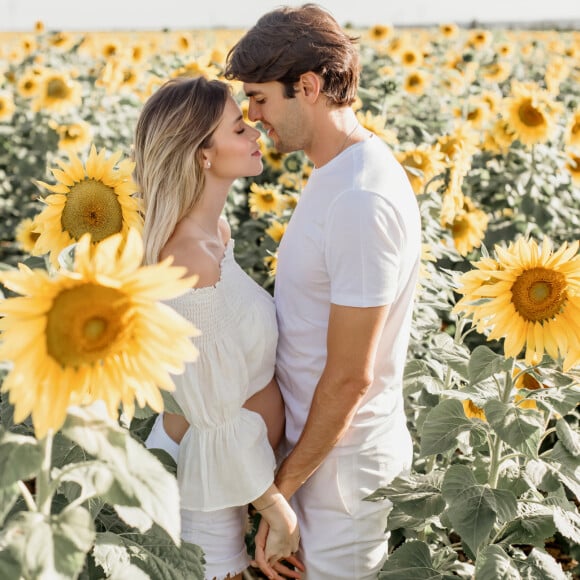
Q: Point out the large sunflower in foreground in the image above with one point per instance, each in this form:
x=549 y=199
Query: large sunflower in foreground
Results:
x=97 y=332
x=529 y=295
x=95 y=198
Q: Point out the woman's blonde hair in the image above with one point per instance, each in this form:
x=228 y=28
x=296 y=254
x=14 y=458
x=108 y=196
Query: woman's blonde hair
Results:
x=175 y=125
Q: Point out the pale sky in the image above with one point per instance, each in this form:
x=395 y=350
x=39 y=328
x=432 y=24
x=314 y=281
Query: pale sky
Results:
x=20 y=15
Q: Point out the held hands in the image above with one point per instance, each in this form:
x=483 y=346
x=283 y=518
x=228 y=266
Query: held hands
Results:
x=277 y=539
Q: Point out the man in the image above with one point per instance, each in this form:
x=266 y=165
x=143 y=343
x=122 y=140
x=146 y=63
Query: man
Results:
x=345 y=283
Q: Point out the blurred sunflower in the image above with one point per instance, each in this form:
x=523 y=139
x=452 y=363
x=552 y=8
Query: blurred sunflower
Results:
x=449 y=30
x=531 y=113
x=276 y=230
x=271 y=262
x=264 y=199
x=416 y=82
x=573 y=166
x=95 y=199
x=468 y=227
x=27 y=234
x=498 y=138
x=57 y=92
x=73 y=137
x=376 y=124
x=572 y=134
x=98 y=332
x=524 y=379
x=530 y=296
x=496 y=71
x=421 y=164
x=28 y=84
x=379 y=32
x=472 y=411
x=7 y=106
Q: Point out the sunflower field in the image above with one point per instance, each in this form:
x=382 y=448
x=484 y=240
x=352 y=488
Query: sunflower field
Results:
x=486 y=123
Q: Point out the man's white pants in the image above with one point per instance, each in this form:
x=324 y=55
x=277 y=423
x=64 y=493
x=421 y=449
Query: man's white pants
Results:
x=343 y=537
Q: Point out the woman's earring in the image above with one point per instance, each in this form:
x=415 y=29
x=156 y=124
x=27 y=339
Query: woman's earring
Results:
x=207 y=164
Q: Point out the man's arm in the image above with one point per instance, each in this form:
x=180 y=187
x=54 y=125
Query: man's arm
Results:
x=352 y=340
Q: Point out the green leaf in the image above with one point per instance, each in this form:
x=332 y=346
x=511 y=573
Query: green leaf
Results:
x=144 y=491
x=485 y=363
x=520 y=428
x=454 y=354
x=532 y=527
x=412 y=561
x=570 y=439
x=154 y=554
x=20 y=458
x=568 y=524
x=8 y=497
x=539 y=564
x=442 y=426
x=494 y=564
x=9 y=565
x=417 y=495
x=53 y=548
x=564 y=466
x=559 y=401
x=471 y=507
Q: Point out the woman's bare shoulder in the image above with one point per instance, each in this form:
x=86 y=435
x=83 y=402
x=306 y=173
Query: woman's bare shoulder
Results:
x=196 y=255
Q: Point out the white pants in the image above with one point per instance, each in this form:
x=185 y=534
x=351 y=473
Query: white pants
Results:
x=343 y=537
x=219 y=533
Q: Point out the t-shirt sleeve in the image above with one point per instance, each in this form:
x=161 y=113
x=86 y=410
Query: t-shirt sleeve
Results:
x=362 y=249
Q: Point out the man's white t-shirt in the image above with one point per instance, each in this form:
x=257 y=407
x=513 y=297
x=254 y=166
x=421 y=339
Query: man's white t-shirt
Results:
x=354 y=239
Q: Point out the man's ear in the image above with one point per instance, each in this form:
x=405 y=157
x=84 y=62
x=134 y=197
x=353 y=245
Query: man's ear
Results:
x=310 y=85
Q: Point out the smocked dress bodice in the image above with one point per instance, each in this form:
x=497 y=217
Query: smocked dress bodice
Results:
x=224 y=457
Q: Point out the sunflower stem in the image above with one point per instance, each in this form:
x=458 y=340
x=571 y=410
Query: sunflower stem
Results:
x=43 y=487
x=27 y=496
x=495 y=451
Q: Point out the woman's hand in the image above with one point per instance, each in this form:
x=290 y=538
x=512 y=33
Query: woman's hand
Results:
x=273 y=570
x=278 y=538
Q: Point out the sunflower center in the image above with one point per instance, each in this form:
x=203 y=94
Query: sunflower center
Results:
x=267 y=197
x=86 y=324
x=530 y=115
x=57 y=89
x=539 y=294
x=92 y=207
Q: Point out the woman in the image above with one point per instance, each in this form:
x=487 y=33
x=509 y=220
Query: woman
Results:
x=191 y=143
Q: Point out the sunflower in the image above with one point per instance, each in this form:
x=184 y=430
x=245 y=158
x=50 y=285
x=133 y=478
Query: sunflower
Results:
x=496 y=72
x=57 y=92
x=449 y=30
x=422 y=164
x=524 y=379
x=379 y=32
x=271 y=262
x=468 y=227
x=264 y=199
x=276 y=230
x=472 y=411
x=572 y=135
x=273 y=158
x=95 y=199
x=415 y=82
x=573 y=166
x=529 y=295
x=27 y=234
x=28 y=84
x=73 y=137
x=376 y=124
x=7 y=106
x=531 y=113
x=95 y=333
x=498 y=138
